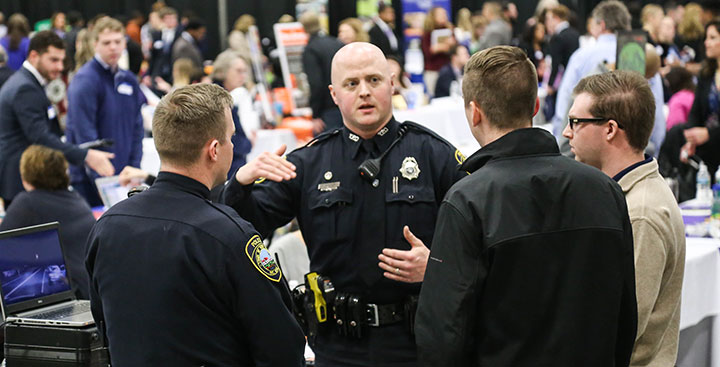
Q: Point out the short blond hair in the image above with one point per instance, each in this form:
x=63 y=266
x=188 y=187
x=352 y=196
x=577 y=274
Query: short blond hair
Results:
x=107 y=23
x=310 y=21
x=502 y=81
x=188 y=118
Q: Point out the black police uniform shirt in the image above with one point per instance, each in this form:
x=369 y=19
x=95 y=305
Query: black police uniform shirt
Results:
x=347 y=221
x=176 y=280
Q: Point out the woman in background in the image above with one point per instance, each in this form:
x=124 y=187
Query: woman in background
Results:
x=352 y=30
x=436 y=53
x=16 y=42
x=57 y=24
x=533 y=43
x=238 y=37
x=47 y=199
x=231 y=72
x=682 y=95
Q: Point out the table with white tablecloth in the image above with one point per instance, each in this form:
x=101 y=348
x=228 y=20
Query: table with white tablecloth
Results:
x=699 y=324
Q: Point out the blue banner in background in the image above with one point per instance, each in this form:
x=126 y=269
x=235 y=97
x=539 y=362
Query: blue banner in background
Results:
x=414 y=6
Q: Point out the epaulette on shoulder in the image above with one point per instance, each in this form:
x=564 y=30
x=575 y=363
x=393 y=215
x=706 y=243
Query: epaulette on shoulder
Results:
x=423 y=129
x=321 y=138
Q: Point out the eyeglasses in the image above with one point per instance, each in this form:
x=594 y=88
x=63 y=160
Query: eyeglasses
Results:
x=572 y=121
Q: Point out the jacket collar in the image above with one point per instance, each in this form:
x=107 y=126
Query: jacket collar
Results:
x=638 y=174
x=382 y=139
x=182 y=183
x=35 y=73
x=520 y=142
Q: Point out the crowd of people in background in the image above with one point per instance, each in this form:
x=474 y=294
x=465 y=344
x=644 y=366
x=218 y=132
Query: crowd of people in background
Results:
x=114 y=70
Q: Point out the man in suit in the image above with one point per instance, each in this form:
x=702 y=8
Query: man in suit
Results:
x=27 y=116
x=498 y=31
x=564 y=40
x=162 y=45
x=382 y=34
x=187 y=45
x=316 y=61
x=453 y=71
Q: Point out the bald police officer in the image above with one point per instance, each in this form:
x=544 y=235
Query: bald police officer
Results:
x=363 y=231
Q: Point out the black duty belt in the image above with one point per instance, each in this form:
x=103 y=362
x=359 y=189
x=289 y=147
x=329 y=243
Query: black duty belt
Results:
x=321 y=304
x=381 y=315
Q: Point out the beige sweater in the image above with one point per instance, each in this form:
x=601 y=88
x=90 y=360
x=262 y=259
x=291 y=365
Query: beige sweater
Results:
x=659 y=237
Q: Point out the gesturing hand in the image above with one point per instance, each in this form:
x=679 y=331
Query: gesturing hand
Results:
x=270 y=165
x=405 y=266
x=99 y=162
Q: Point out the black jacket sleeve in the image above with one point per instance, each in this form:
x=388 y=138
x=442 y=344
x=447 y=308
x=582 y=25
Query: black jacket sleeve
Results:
x=33 y=121
x=275 y=338
x=446 y=314
x=627 y=322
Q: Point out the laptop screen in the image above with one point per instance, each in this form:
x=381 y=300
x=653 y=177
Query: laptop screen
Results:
x=31 y=264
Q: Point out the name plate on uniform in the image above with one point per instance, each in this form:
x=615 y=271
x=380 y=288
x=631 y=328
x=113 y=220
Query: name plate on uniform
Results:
x=329 y=186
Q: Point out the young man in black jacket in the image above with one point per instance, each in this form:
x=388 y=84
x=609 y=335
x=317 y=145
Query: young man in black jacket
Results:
x=532 y=258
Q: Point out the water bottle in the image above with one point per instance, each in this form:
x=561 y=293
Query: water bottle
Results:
x=703 y=193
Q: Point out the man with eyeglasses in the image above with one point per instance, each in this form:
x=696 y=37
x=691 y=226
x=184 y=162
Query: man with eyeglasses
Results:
x=609 y=125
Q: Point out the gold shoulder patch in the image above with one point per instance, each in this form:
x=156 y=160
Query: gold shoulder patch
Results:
x=459 y=157
x=262 y=259
x=260 y=180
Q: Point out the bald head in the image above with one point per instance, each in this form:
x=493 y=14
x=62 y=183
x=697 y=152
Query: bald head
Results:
x=355 y=54
x=362 y=88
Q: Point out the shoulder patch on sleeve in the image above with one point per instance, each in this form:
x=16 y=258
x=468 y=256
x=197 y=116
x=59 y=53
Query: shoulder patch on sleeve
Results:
x=262 y=259
x=459 y=157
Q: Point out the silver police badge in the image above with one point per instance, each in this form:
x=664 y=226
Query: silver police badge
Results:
x=410 y=169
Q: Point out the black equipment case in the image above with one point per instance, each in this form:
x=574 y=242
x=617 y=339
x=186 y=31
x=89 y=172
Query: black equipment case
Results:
x=47 y=346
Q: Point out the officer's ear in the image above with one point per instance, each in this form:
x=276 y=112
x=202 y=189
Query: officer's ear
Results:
x=474 y=113
x=332 y=94
x=213 y=150
x=537 y=106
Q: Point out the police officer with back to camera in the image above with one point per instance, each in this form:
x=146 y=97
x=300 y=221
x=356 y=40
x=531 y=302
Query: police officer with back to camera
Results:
x=366 y=197
x=177 y=280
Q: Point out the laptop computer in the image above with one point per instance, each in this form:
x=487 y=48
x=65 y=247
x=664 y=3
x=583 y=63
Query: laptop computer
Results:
x=110 y=190
x=34 y=283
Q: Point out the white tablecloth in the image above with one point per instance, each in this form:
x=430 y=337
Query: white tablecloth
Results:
x=701 y=283
x=699 y=321
x=265 y=141
x=446 y=117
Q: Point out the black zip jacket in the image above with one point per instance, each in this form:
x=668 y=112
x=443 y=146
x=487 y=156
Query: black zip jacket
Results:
x=531 y=264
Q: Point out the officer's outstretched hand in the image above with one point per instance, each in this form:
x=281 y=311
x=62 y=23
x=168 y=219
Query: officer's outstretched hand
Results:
x=270 y=165
x=405 y=266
